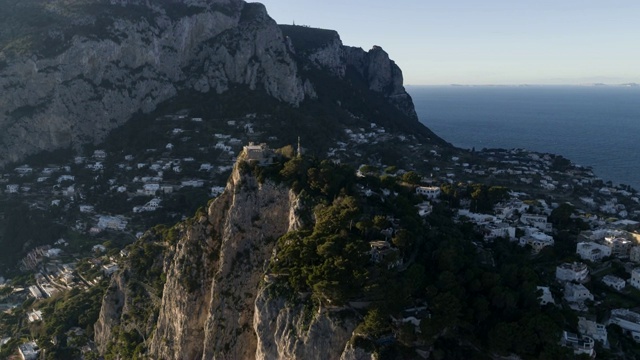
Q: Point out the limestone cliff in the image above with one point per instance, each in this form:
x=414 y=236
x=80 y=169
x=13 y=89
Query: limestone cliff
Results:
x=284 y=331
x=323 y=49
x=217 y=301
x=87 y=68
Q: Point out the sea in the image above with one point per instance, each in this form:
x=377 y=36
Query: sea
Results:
x=596 y=126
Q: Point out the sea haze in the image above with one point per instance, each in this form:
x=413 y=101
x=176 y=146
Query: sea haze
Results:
x=596 y=126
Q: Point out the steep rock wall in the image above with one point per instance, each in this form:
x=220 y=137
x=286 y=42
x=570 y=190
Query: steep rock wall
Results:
x=132 y=64
x=283 y=332
x=208 y=299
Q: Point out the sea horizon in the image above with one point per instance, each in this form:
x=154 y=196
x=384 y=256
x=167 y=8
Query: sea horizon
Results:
x=592 y=126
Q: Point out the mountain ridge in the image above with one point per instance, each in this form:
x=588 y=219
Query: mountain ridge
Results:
x=116 y=59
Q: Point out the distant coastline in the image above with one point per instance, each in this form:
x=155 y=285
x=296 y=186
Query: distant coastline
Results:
x=592 y=125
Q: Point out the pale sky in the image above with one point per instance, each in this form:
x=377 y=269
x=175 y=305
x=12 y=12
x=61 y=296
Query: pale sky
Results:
x=438 y=42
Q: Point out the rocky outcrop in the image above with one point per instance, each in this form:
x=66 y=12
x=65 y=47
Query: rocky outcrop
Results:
x=218 y=300
x=98 y=78
x=285 y=331
x=324 y=50
x=208 y=300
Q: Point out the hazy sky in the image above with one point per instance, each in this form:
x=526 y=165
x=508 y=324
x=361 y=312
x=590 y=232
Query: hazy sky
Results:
x=486 y=42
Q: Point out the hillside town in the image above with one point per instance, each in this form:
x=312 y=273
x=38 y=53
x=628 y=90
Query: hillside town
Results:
x=106 y=199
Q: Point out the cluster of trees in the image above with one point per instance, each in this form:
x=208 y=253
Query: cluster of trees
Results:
x=329 y=260
x=494 y=306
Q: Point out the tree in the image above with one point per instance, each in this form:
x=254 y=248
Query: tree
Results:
x=411 y=177
x=375 y=323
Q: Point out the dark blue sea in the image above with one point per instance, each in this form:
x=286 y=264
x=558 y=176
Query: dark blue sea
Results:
x=597 y=126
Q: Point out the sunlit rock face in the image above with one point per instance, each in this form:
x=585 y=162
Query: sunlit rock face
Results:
x=104 y=62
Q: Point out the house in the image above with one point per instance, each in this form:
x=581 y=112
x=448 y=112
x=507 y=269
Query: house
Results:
x=109 y=269
x=614 y=282
x=546 y=297
x=192 y=183
x=537 y=240
x=35 y=292
x=596 y=331
x=258 y=153
x=635 y=278
x=575 y=271
x=150 y=189
x=496 y=230
x=12 y=188
x=29 y=351
x=99 y=154
x=431 y=192
x=628 y=320
x=112 y=222
x=424 y=208
x=537 y=221
x=579 y=344
x=634 y=254
x=413 y=315
x=34 y=315
x=382 y=253
x=86 y=208
x=592 y=251
x=206 y=167
x=24 y=169
x=620 y=247
x=576 y=293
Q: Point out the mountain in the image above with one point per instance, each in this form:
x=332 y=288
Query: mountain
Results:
x=72 y=71
x=78 y=72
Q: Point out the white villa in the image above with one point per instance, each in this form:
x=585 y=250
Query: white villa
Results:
x=259 y=153
x=431 y=192
x=635 y=278
x=546 y=297
x=592 y=329
x=576 y=293
x=627 y=320
x=579 y=344
x=576 y=271
x=537 y=221
x=614 y=282
x=592 y=251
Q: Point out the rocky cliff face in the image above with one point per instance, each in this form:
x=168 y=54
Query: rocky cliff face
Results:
x=70 y=73
x=106 y=66
x=325 y=51
x=217 y=302
x=224 y=254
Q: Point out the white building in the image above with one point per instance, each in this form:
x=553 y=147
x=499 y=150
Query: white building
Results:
x=634 y=254
x=579 y=344
x=431 y=192
x=635 y=278
x=112 y=222
x=592 y=329
x=537 y=221
x=150 y=189
x=496 y=230
x=259 y=153
x=627 y=320
x=576 y=271
x=29 y=351
x=614 y=282
x=576 y=293
x=592 y=251
x=620 y=247
x=34 y=315
x=537 y=240
x=546 y=297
